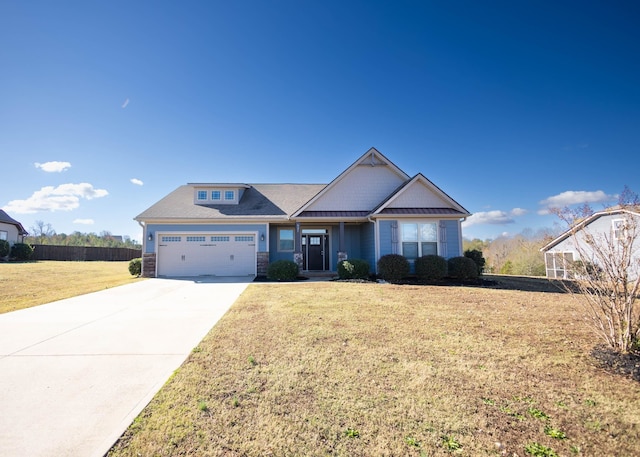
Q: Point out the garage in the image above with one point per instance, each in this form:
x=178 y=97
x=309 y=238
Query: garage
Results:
x=211 y=254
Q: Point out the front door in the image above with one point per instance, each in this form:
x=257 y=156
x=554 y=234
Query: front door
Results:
x=315 y=252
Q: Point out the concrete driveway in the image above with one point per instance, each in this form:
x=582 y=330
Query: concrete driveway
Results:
x=75 y=373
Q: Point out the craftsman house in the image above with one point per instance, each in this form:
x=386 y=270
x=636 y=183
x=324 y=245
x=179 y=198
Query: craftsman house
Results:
x=234 y=229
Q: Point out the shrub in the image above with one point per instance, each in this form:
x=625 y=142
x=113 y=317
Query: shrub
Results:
x=462 y=268
x=282 y=270
x=5 y=248
x=353 y=269
x=477 y=257
x=21 y=251
x=135 y=267
x=431 y=267
x=393 y=267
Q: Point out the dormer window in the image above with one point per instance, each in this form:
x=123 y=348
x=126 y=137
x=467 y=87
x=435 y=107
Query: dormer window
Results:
x=202 y=195
x=229 y=195
x=215 y=195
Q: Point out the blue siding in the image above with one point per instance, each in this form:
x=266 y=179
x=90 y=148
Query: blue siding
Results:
x=386 y=244
x=453 y=239
x=273 y=245
x=368 y=244
x=186 y=228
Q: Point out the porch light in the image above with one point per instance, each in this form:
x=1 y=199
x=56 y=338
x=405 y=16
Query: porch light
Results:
x=150 y=237
x=262 y=237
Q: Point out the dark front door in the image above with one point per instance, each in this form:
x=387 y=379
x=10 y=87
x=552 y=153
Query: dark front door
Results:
x=316 y=254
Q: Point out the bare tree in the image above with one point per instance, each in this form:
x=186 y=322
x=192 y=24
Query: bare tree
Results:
x=41 y=231
x=606 y=272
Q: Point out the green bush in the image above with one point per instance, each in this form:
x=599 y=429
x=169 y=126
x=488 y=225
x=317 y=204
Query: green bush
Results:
x=477 y=257
x=135 y=267
x=462 y=268
x=393 y=267
x=282 y=270
x=431 y=267
x=5 y=248
x=21 y=251
x=353 y=269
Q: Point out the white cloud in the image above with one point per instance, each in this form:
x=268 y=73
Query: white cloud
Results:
x=495 y=217
x=126 y=102
x=575 y=197
x=65 y=197
x=136 y=181
x=83 y=221
x=53 y=167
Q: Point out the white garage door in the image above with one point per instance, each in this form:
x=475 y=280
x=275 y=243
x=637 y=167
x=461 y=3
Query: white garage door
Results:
x=231 y=254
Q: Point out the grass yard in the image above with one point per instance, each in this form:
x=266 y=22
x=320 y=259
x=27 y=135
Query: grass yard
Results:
x=23 y=285
x=349 y=369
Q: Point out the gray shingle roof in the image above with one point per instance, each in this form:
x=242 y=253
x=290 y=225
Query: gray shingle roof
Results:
x=4 y=217
x=259 y=200
x=429 y=211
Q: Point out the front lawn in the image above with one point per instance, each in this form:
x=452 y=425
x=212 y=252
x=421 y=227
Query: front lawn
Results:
x=27 y=284
x=347 y=369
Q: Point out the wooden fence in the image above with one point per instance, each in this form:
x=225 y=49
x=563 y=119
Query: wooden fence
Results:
x=83 y=253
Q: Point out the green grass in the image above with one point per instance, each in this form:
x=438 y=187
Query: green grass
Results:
x=348 y=369
x=27 y=284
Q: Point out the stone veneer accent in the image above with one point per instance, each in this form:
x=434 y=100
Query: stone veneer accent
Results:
x=149 y=265
x=263 y=263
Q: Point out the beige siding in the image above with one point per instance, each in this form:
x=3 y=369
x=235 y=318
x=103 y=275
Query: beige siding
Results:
x=418 y=196
x=12 y=232
x=361 y=189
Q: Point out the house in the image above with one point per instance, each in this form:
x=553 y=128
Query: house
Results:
x=371 y=209
x=606 y=228
x=10 y=229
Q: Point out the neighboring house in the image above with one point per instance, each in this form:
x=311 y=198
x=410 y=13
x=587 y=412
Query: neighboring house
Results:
x=371 y=209
x=10 y=229
x=604 y=226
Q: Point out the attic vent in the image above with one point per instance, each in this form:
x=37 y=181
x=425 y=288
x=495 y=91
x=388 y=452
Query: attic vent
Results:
x=374 y=162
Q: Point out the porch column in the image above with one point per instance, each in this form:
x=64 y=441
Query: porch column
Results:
x=342 y=254
x=297 y=252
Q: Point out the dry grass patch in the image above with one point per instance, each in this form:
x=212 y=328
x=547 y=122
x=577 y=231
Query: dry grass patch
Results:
x=366 y=369
x=23 y=285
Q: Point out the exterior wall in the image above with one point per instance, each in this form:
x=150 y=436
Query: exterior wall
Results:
x=263 y=263
x=362 y=189
x=418 y=196
x=13 y=235
x=149 y=265
x=368 y=244
x=150 y=246
x=453 y=238
x=385 y=235
x=274 y=254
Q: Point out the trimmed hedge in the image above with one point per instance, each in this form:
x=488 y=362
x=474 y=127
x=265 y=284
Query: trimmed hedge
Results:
x=282 y=270
x=477 y=257
x=353 y=269
x=5 y=248
x=431 y=267
x=135 y=267
x=21 y=251
x=462 y=268
x=393 y=267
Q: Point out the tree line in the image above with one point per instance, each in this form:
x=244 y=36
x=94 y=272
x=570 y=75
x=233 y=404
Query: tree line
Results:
x=43 y=233
x=514 y=255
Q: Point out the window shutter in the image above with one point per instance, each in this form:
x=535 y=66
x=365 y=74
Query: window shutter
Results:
x=394 y=237
x=443 y=239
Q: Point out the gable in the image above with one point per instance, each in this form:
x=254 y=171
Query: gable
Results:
x=362 y=187
x=417 y=195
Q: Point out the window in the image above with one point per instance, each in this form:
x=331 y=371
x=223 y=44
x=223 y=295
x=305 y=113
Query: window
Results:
x=229 y=195
x=219 y=238
x=619 y=229
x=419 y=240
x=202 y=195
x=558 y=264
x=285 y=240
x=196 y=239
x=4 y=235
x=171 y=239
x=244 y=238
x=215 y=195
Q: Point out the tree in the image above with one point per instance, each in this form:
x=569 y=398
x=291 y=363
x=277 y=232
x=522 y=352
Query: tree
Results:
x=607 y=273
x=42 y=231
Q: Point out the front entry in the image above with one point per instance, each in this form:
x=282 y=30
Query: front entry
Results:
x=315 y=251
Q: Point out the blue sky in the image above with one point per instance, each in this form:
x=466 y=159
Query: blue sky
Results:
x=105 y=107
